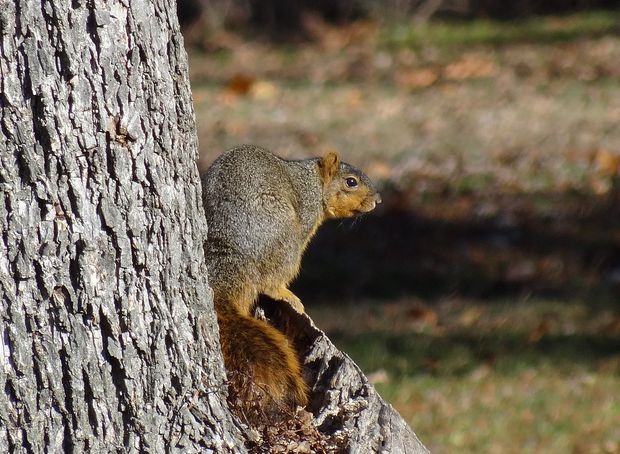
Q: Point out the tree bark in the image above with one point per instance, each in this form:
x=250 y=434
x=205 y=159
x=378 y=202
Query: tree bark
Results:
x=345 y=406
x=108 y=339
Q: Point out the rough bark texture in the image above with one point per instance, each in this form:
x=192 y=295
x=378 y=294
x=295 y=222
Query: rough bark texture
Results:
x=344 y=404
x=108 y=340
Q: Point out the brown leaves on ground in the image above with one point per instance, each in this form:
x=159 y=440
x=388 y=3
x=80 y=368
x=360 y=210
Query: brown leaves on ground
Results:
x=506 y=148
x=416 y=78
x=296 y=434
x=422 y=316
x=336 y=38
x=356 y=51
x=541 y=330
x=275 y=429
x=471 y=66
x=503 y=374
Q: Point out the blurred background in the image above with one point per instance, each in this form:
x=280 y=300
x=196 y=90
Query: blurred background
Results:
x=481 y=297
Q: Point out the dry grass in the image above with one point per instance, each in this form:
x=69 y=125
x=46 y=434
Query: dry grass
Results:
x=505 y=377
x=499 y=152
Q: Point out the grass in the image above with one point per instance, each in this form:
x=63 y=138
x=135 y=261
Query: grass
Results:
x=506 y=377
x=535 y=411
x=501 y=185
x=485 y=32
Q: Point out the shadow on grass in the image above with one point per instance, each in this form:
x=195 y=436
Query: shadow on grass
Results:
x=410 y=354
x=548 y=245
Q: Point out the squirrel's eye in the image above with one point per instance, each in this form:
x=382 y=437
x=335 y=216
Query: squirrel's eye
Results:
x=351 y=182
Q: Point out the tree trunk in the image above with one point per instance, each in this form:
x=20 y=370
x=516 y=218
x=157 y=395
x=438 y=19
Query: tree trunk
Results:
x=107 y=332
x=108 y=339
x=345 y=406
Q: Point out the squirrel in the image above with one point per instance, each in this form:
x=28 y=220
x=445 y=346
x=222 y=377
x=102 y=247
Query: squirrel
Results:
x=261 y=212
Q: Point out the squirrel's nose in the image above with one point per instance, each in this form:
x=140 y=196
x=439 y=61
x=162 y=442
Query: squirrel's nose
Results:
x=377 y=198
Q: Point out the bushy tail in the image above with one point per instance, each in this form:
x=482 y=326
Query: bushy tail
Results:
x=262 y=355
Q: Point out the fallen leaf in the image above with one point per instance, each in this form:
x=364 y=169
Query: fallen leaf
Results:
x=240 y=84
x=422 y=313
x=470 y=67
x=600 y=184
x=543 y=328
x=263 y=90
x=470 y=316
x=607 y=162
x=416 y=78
x=613 y=327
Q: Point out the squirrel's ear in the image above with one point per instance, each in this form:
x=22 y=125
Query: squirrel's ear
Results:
x=328 y=165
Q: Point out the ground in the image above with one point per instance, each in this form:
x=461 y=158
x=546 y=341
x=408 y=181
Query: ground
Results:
x=480 y=297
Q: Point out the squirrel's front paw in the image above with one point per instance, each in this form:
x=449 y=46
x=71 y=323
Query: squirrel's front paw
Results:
x=296 y=303
x=284 y=294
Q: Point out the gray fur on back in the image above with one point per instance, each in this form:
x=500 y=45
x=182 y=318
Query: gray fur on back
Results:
x=253 y=201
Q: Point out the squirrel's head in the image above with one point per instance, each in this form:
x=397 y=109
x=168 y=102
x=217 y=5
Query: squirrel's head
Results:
x=347 y=191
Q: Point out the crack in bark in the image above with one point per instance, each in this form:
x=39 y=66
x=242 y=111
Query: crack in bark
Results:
x=117 y=375
x=67 y=409
x=89 y=398
x=91 y=29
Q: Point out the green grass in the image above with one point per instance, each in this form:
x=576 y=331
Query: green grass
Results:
x=534 y=411
x=461 y=351
x=486 y=32
x=471 y=378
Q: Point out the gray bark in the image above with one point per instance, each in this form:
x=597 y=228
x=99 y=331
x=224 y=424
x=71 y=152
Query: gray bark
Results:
x=344 y=404
x=108 y=340
x=349 y=405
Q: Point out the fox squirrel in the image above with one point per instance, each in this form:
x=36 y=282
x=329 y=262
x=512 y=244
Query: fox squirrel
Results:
x=261 y=213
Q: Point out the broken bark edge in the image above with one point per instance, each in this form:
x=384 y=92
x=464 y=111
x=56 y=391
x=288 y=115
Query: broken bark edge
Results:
x=344 y=403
